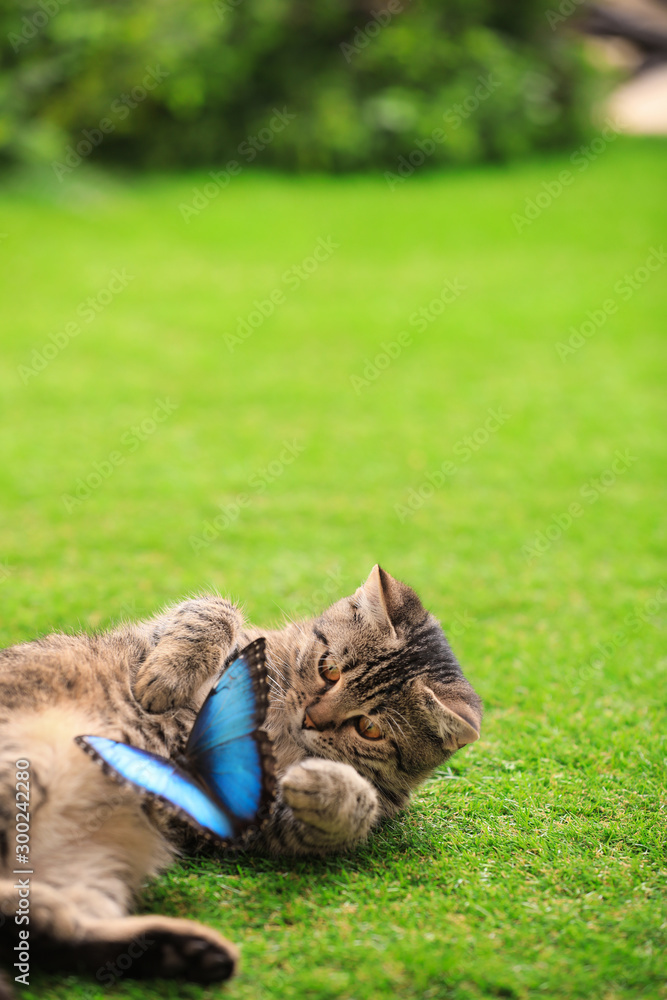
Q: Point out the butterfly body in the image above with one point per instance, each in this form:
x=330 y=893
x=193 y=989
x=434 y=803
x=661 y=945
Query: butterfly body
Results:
x=223 y=783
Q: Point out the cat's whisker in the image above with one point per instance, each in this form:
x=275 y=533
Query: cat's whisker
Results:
x=275 y=671
x=395 y=711
x=395 y=728
x=272 y=663
x=276 y=688
x=279 y=672
x=390 y=725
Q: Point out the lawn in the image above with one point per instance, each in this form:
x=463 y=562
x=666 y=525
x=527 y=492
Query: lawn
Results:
x=406 y=398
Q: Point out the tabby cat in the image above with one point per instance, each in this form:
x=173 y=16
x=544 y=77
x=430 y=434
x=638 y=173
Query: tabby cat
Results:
x=367 y=699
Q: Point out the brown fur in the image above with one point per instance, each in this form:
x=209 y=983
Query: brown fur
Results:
x=93 y=843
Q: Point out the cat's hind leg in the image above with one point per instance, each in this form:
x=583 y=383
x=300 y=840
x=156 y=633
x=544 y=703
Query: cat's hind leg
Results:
x=91 y=848
x=67 y=935
x=77 y=894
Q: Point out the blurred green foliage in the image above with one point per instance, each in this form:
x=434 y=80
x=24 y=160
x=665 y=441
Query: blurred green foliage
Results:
x=186 y=83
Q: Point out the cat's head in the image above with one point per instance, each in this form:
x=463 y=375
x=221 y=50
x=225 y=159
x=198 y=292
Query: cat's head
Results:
x=376 y=685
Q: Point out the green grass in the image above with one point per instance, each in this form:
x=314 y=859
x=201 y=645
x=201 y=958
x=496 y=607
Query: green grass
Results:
x=533 y=866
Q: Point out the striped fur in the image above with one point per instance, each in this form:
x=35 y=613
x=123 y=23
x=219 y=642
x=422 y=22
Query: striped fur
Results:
x=397 y=668
x=93 y=843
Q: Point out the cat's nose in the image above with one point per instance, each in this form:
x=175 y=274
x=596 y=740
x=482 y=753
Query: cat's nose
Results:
x=316 y=716
x=307 y=721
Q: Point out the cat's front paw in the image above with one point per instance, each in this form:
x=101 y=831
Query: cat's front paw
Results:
x=334 y=805
x=159 y=689
x=170 y=676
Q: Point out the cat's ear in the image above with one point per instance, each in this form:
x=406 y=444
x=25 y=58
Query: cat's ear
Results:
x=456 y=721
x=373 y=599
x=386 y=601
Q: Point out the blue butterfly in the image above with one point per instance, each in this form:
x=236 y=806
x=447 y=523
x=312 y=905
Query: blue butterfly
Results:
x=224 y=782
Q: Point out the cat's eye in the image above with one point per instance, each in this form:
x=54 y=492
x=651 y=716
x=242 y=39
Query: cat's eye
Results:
x=368 y=729
x=329 y=671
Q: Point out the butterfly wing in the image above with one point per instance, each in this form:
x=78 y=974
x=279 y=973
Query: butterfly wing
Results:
x=162 y=779
x=227 y=750
x=228 y=781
